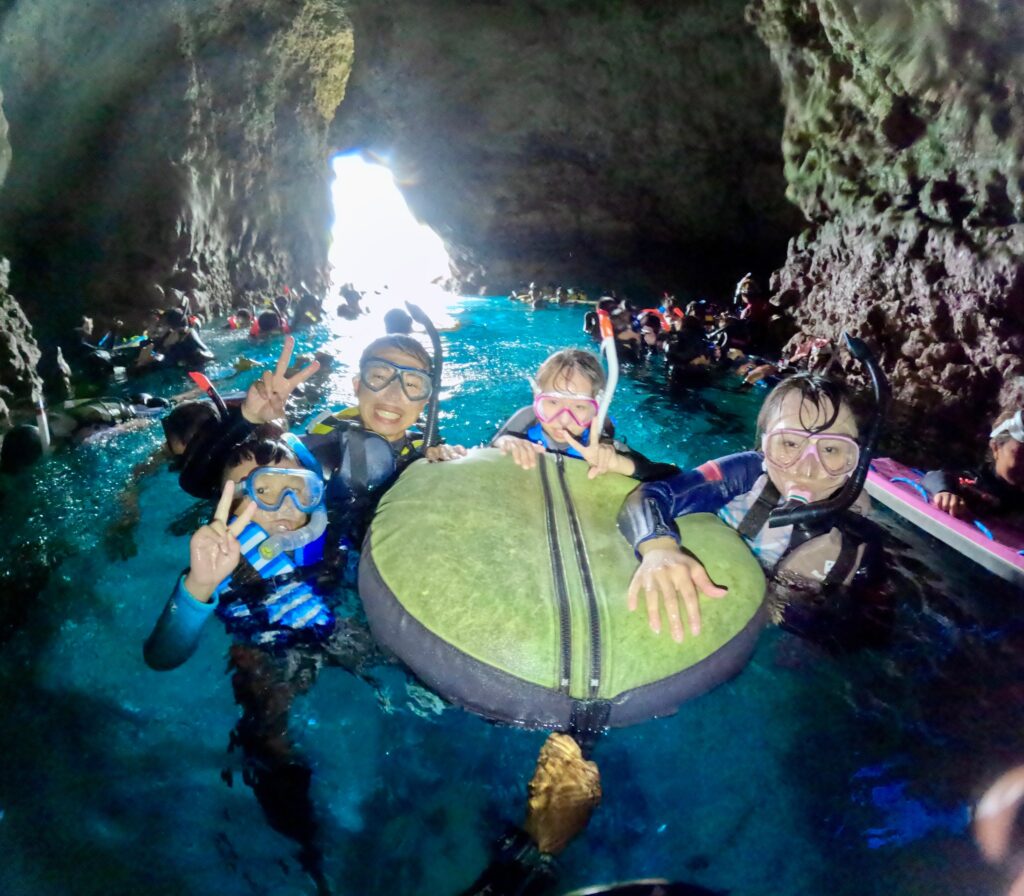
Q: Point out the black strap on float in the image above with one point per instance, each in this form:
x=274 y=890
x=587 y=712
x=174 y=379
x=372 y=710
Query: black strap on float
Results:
x=758 y=514
x=587 y=722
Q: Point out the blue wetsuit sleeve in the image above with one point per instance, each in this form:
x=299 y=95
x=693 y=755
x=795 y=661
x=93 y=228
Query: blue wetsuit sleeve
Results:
x=649 y=511
x=941 y=481
x=176 y=633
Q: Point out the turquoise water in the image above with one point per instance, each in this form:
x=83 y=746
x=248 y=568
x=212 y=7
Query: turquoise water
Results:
x=811 y=772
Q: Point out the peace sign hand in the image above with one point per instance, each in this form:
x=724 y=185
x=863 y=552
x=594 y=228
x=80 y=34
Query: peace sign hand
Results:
x=266 y=397
x=214 y=550
x=603 y=458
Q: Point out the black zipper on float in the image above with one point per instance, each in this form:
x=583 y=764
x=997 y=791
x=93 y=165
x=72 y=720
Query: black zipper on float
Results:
x=558 y=574
x=587 y=578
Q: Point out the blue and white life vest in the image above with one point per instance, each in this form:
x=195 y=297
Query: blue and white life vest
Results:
x=291 y=612
x=769 y=544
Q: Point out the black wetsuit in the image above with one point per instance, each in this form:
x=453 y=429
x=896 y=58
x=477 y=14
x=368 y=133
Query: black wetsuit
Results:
x=984 y=491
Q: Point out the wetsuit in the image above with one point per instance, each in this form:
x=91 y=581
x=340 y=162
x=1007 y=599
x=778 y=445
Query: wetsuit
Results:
x=523 y=424
x=739 y=492
x=984 y=492
x=282 y=613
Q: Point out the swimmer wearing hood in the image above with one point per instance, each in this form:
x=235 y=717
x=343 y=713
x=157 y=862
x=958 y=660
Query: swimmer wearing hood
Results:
x=787 y=500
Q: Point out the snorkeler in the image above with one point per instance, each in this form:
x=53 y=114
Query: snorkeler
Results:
x=998 y=487
x=788 y=500
x=569 y=390
x=173 y=344
x=258 y=566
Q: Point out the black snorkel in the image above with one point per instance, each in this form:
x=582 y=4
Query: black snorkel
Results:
x=430 y=430
x=798 y=513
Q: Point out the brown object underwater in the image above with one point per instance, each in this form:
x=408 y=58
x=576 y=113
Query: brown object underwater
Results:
x=564 y=791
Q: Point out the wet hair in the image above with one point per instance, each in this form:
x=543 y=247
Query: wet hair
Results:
x=396 y=321
x=269 y=321
x=257 y=447
x=174 y=318
x=561 y=365
x=187 y=419
x=814 y=390
x=243 y=314
x=405 y=344
x=21 y=448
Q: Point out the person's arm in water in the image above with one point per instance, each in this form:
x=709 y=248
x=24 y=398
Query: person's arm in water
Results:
x=647 y=520
x=944 y=487
x=214 y=552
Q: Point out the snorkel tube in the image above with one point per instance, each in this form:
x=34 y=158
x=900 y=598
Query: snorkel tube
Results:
x=206 y=386
x=430 y=430
x=611 y=358
x=797 y=513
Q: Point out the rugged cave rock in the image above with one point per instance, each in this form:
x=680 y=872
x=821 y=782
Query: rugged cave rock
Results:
x=183 y=149
x=904 y=145
x=614 y=143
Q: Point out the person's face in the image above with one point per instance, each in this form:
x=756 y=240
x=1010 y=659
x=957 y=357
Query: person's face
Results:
x=287 y=517
x=1008 y=462
x=576 y=383
x=389 y=413
x=807 y=477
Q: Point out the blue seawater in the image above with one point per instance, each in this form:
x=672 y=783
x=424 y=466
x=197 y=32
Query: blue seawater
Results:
x=116 y=780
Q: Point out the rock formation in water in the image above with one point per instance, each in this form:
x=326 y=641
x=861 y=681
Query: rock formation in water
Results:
x=904 y=146
x=167 y=149
x=19 y=354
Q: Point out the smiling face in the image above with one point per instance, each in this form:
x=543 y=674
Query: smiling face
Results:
x=287 y=518
x=575 y=382
x=389 y=412
x=807 y=478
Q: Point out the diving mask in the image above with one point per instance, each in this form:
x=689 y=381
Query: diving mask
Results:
x=837 y=454
x=549 y=405
x=268 y=487
x=1014 y=427
x=378 y=373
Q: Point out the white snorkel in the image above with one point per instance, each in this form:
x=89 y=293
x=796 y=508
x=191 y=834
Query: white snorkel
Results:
x=611 y=358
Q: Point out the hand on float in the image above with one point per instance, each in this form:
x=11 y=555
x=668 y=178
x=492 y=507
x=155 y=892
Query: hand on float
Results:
x=439 y=453
x=603 y=458
x=952 y=504
x=523 y=451
x=266 y=397
x=214 y=550
x=668 y=573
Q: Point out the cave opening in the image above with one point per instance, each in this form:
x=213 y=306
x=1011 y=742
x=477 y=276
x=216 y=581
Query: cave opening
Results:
x=377 y=244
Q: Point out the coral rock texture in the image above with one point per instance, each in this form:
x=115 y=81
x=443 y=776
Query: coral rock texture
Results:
x=167 y=149
x=904 y=146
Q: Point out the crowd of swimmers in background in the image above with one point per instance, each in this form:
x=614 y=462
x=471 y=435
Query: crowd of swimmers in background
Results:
x=291 y=510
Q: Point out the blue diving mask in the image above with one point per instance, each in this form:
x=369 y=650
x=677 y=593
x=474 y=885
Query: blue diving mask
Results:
x=268 y=487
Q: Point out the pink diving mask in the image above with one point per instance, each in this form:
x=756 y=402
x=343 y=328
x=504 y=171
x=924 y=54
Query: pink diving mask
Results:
x=549 y=406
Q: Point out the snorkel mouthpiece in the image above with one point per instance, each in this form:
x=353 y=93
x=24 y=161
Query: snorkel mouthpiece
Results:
x=420 y=316
x=796 y=511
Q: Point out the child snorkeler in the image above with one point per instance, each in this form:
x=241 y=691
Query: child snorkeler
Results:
x=788 y=501
x=257 y=566
x=568 y=391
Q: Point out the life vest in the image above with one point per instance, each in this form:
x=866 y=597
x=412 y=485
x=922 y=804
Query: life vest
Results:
x=537 y=435
x=279 y=609
x=283 y=327
x=824 y=553
x=348 y=418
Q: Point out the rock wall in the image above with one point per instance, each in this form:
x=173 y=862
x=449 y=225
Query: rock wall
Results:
x=19 y=353
x=904 y=145
x=167 y=148
x=613 y=143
